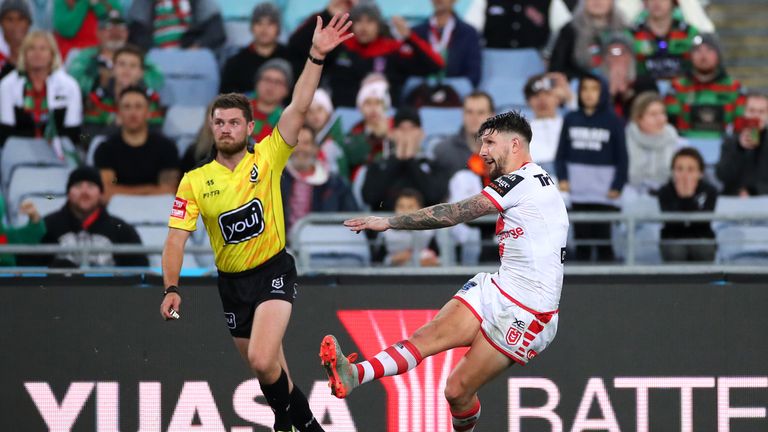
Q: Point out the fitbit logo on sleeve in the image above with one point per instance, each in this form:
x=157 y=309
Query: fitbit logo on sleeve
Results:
x=242 y=223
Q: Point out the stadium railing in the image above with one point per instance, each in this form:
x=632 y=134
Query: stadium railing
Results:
x=343 y=254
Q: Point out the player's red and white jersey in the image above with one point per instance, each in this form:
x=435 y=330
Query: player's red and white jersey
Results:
x=532 y=230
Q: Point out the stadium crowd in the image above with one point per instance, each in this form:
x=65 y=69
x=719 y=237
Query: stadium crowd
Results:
x=626 y=101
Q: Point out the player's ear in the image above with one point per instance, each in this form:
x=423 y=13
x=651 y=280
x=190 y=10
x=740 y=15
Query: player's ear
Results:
x=251 y=125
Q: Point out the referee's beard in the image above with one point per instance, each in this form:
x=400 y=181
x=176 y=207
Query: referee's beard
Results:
x=229 y=147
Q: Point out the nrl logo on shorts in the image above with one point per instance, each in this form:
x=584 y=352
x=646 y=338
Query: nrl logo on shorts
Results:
x=277 y=283
x=254 y=174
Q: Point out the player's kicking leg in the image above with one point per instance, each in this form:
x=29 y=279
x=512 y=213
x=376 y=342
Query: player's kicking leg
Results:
x=480 y=365
x=454 y=326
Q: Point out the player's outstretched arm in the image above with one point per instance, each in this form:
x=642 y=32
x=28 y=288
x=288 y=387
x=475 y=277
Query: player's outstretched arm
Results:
x=437 y=216
x=323 y=42
x=173 y=256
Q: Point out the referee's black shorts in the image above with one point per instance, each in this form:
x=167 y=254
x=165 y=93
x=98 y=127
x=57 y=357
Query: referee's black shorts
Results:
x=242 y=292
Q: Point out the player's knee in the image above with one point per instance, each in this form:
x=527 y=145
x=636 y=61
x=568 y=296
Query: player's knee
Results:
x=456 y=393
x=264 y=366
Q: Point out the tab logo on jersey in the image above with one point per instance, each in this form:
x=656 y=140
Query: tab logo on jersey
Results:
x=505 y=183
x=179 y=209
x=254 y=174
x=243 y=223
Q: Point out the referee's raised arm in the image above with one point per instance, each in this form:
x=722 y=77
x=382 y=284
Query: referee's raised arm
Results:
x=323 y=42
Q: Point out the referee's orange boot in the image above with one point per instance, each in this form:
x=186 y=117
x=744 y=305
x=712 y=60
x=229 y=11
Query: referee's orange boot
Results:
x=342 y=374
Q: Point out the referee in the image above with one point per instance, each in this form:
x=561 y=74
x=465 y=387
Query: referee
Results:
x=238 y=196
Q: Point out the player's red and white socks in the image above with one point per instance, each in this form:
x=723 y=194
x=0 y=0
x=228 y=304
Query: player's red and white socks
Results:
x=466 y=421
x=395 y=360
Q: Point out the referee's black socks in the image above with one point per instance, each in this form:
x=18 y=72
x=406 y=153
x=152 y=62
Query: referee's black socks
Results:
x=279 y=399
x=301 y=415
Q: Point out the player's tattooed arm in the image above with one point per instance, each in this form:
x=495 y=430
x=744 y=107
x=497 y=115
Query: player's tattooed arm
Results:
x=444 y=215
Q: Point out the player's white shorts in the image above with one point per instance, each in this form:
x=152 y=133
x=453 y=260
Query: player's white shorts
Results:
x=514 y=329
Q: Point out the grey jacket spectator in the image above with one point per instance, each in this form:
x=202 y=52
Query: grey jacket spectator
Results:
x=205 y=26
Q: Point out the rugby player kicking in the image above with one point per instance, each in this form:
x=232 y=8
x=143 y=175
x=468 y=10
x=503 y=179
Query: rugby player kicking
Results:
x=505 y=317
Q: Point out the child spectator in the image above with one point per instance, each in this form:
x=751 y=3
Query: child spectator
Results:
x=687 y=191
x=329 y=133
x=591 y=164
x=544 y=94
x=365 y=140
x=407 y=248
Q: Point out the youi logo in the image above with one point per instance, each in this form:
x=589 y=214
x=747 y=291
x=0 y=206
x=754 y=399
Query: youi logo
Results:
x=242 y=223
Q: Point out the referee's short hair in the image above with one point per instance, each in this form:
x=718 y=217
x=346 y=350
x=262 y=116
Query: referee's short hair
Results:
x=233 y=100
x=511 y=121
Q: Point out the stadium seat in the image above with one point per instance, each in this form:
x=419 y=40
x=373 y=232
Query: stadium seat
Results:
x=41 y=181
x=440 y=120
x=647 y=234
x=182 y=124
x=708 y=147
x=742 y=244
x=27 y=151
x=238 y=32
x=142 y=209
x=155 y=236
x=349 y=117
x=191 y=76
x=329 y=246
x=514 y=64
x=506 y=90
x=90 y=157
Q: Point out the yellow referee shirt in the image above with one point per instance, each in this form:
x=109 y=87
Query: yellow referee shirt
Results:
x=242 y=210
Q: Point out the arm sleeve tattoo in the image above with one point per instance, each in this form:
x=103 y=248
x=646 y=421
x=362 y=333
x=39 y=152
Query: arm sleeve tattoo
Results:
x=444 y=215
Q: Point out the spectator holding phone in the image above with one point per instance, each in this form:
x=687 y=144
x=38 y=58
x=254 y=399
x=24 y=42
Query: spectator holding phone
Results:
x=743 y=165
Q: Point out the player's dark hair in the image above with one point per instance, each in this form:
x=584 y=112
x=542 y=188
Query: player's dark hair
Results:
x=134 y=89
x=510 y=121
x=130 y=49
x=233 y=100
x=412 y=193
x=690 y=152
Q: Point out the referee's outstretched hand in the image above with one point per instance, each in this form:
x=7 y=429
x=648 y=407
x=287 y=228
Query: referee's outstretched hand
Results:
x=326 y=39
x=170 y=301
x=372 y=223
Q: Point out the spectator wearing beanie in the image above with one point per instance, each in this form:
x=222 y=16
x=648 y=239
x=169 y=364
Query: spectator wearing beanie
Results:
x=84 y=221
x=373 y=51
x=365 y=140
x=273 y=83
x=329 y=133
x=15 y=21
x=706 y=102
x=239 y=70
